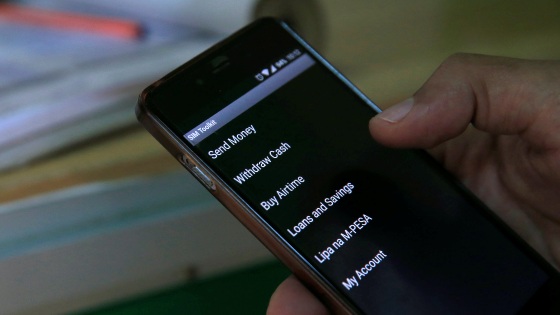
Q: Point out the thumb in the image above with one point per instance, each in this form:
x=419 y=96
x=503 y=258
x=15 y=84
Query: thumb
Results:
x=501 y=96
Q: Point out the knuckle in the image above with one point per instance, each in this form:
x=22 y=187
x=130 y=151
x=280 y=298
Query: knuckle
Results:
x=457 y=70
x=458 y=60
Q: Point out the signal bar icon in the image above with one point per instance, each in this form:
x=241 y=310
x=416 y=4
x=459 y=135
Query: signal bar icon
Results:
x=265 y=73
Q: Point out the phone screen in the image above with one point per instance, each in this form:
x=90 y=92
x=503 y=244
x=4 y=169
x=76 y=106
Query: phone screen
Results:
x=388 y=229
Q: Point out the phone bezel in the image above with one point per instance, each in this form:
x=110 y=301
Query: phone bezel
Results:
x=260 y=228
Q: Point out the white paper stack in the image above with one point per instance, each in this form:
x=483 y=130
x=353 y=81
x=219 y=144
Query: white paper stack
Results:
x=58 y=88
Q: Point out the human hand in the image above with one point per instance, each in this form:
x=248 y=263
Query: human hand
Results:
x=509 y=157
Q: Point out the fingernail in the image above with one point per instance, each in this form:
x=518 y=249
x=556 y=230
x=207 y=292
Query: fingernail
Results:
x=397 y=112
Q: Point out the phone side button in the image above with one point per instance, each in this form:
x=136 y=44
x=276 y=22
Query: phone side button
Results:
x=199 y=174
x=203 y=178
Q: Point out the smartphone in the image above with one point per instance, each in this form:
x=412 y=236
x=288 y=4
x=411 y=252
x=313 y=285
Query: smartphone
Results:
x=281 y=139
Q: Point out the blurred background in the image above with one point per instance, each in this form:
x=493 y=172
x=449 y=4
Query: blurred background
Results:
x=96 y=218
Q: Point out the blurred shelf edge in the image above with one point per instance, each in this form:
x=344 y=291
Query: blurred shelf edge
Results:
x=127 y=153
x=80 y=247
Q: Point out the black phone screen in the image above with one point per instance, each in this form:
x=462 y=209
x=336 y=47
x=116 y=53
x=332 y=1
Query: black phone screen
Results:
x=389 y=229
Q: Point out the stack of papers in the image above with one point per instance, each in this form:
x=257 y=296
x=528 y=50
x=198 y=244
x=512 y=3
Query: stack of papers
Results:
x=58 y=88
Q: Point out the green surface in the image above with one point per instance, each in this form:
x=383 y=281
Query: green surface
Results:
x=245 y=291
